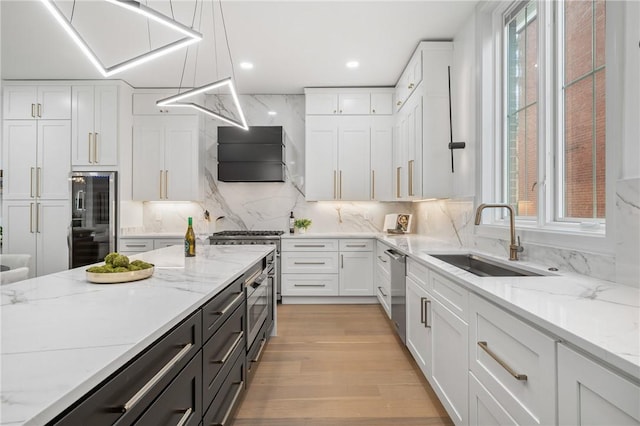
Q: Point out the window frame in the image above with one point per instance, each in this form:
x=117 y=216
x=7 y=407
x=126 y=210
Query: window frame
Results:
x=593 y=236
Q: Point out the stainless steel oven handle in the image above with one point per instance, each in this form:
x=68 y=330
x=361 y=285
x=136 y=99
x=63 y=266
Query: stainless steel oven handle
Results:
x=393 y=255
x=249 y=281
x=230 y=305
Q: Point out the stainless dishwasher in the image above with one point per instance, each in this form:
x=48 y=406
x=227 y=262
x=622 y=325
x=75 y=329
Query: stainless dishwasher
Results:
x=398 y=292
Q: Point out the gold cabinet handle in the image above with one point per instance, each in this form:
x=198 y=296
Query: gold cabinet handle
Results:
x=33 y=110
x=40 y=110
x=31 y=182
x=335 y=185
x=410 y=167
x=38 y=218
x=89 y=152
x=95 y=148
x=373 y=184
x=399 y=103
x=397 y=182
x=31 y=218
x=424 y=311
x=38 y=181
x=340 y=179
x=161 y=173
x=410 y=86
x=185 y=417
x=166 y=186
x=485 y=347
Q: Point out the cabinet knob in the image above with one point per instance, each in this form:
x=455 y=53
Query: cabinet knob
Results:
x=374 y=111
x=340 y=111
x=399 y=103
x=410 y=85
x=334 y=111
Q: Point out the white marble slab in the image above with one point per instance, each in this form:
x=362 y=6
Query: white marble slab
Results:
x=598 y=316
x=62 y=335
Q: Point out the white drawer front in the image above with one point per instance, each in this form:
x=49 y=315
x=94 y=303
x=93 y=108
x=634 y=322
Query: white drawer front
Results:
x=137 y=245
x=356 y=245
x=310 y=263
x=310 y=285
x=518 y=349
x=381 y=258
x=167 y=242
x=450 y=294
x=419 y=273
x=309 y=244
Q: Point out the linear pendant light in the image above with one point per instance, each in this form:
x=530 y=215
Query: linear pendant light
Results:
x=190 y=36
x=173 y=101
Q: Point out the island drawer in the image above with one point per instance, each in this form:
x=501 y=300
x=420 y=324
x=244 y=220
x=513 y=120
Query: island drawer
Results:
x=126 y=394
x=228 y=397
x=181 y=401
x=217 y=310
x=134 y=245
x=220 y=352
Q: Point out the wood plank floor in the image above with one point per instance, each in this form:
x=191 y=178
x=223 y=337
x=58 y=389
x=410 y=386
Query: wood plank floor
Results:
x=338 y=365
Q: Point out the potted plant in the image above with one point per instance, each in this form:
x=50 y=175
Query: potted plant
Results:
x=302 y=225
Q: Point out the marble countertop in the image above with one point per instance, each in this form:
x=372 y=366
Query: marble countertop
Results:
x=153 y=235
x=599 y=316
x=62 y=335
x=332 y=235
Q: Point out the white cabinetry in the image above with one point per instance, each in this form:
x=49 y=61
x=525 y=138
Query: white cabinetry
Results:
x=348 y=101
x=36 y=161
x=421 y=155
x=513 y=362
x=95 y=125
x=382 y=277
x=356 y=268
x=42 y=102
x=381 y=155
x=591 y=394
x=327 y=267
x=131 y=246
x=437 y=337
x=166 y=158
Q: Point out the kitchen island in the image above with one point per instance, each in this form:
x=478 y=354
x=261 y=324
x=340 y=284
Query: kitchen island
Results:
x=62 y=335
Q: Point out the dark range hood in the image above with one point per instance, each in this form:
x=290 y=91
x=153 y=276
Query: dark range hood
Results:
x=256 y=155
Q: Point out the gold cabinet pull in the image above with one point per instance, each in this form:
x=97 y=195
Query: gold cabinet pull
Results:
x=485 y=347
x=335 y=185
x=33 y=110
x=89 y=152
x=410 y=86
x=397 y=182
x=95 y=148
x=166 y=186
x=373 y=184
x=410 y=166
x=38 y=218
x=399 y=103
x=340 y=179
x=31 y=182
x=161 y=173
x=38 y=181
x=31 y=217
x=39 y=110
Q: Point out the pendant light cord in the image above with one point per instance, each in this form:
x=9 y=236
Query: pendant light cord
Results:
x=73 y=9
x=186 y=55
x=226 y=38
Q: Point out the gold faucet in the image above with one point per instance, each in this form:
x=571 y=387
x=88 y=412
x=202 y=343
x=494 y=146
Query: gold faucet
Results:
x=514 y=248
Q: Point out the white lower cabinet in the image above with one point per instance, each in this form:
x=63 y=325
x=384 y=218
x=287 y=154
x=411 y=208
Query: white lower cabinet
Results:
x=382 y=283
x=514 y=362
x=484 y=409
x=356 y=273
x=591 y=394
x=419 y=331
x=310 y=285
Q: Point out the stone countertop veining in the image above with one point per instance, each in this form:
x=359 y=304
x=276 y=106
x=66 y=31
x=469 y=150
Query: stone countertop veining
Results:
x=62 y=335
x=599 y=316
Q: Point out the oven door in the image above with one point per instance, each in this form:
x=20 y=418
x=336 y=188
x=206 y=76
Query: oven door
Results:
x=257 y=306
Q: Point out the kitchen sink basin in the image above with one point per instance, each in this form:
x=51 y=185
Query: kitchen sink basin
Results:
x=483 y=267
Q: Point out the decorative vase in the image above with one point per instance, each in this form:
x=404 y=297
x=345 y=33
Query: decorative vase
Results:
x=302 y=230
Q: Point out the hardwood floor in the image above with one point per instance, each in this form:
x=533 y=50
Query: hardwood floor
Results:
x=338 y=365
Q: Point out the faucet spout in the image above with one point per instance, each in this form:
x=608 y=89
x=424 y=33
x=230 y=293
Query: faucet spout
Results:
x=514 y=248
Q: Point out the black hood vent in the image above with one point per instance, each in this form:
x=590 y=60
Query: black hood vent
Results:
x=256 y=155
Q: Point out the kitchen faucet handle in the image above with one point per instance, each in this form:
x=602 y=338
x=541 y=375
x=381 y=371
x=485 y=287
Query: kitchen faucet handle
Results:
x=520 y=248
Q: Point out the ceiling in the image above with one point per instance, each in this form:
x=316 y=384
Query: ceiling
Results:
x=292 y=44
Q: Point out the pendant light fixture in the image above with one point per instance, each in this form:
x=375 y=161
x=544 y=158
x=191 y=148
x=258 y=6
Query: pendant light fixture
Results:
x=175 y=100
x=190 y=36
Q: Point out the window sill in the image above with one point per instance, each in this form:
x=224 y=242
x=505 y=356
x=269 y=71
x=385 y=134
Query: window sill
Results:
x=571 y=237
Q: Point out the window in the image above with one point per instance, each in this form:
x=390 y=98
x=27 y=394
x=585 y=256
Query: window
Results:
x=553 y=111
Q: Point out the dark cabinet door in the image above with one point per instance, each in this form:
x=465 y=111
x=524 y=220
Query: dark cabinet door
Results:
x=181 y=402
x=220 y=308
x=222 y=409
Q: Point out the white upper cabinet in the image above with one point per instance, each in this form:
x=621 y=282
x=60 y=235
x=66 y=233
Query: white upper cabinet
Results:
x=321 y=151
x=95 y=125
x=36 y=102
x=166 y=158
x=348 y=101
x=381 y=155
x=144 y=103
x=410 y=79
x=353 y=159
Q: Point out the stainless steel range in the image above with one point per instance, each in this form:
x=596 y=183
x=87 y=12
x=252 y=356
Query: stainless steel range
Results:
x=252 y=237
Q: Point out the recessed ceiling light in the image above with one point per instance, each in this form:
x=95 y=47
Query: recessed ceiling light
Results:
x=246 y=65
x=353 y=64
x=272 y=113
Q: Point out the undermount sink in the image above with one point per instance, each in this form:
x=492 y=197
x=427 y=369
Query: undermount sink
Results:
x=483 y=267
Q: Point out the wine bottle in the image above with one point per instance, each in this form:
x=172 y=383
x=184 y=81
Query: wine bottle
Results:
x=292 y=221
x=190 y=241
